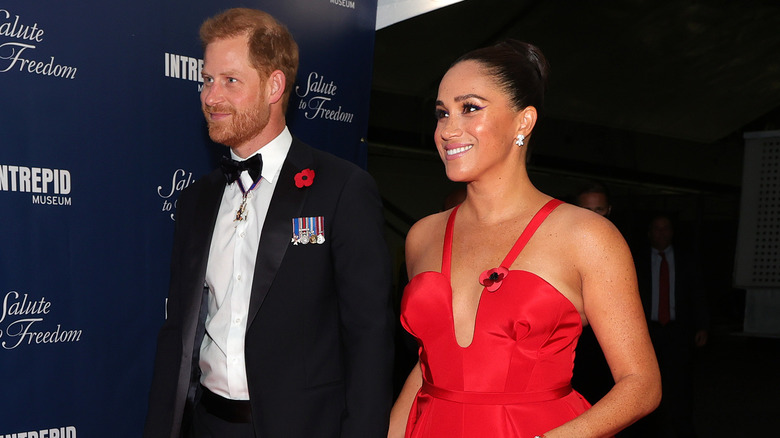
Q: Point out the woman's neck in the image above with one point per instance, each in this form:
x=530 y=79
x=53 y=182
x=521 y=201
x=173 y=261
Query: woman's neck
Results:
x=497 y=200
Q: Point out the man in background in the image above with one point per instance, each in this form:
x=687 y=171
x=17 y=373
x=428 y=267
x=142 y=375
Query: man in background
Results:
x=595 y=197
x=675 y=304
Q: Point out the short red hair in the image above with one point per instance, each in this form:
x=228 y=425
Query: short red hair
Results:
x=271 y=46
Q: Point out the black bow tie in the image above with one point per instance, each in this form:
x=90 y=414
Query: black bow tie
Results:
x=232 y=168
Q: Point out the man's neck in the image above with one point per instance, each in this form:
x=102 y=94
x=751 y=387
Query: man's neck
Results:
x=270 y=132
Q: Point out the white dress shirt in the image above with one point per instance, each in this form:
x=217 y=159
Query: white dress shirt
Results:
x=655 y=266
x=230 y=272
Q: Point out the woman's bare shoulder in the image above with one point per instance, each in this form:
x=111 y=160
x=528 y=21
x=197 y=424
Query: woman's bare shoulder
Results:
x=425 y=239
x=592 y=243
x=584 y=239
x=581 y=226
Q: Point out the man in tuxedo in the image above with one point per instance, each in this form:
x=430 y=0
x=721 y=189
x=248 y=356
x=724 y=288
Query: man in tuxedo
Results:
x=279 y=317
x=672 y=292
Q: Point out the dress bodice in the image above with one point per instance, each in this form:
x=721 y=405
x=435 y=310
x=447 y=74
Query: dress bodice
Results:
x=521 y=354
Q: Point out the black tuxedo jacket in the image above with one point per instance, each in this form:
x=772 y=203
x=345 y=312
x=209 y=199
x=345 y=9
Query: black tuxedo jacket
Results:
x=318 y=346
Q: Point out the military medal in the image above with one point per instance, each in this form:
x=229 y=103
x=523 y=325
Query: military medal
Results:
x=312 y=226
x=296 y=237
x=241 y=213
x=304 y=230
x=308 y=230
x=320 y=230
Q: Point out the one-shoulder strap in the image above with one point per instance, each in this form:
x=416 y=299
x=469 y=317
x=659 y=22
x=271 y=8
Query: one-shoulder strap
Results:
x=529 y=231
x=446 y=255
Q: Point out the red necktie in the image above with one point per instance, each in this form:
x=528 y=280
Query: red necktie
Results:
x=663 y=290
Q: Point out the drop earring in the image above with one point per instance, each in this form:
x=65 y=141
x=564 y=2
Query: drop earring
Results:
x=520 y=138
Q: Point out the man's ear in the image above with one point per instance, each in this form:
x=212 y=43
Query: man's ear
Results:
x=275 y=86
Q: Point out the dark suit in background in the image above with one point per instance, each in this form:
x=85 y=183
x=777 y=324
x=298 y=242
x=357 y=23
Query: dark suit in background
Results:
x=674 y=341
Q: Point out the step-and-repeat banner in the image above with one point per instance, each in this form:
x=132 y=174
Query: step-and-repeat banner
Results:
x=100 y=130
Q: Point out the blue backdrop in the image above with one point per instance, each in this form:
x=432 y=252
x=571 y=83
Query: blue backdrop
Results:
x=100 y=130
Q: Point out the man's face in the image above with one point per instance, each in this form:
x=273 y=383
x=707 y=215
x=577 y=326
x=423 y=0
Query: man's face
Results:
x=595 y=202
x=661 y=233
x=233 y=98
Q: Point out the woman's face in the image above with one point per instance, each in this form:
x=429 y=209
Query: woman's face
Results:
x=476 y=125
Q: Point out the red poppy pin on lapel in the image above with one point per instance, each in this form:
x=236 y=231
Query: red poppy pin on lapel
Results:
x=304 y=178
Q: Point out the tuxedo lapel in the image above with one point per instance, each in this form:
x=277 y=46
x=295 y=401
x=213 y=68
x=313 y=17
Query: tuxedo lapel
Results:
x=193 y=261
x=206 y=210
x=287 y=203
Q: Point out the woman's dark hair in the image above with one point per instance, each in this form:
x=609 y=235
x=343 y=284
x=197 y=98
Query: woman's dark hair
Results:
x=519 y=68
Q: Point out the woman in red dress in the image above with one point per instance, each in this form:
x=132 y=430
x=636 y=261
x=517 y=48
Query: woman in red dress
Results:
x=502 y=284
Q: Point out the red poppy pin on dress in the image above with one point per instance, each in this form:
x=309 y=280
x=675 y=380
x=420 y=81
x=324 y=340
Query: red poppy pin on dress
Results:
x=492 y=278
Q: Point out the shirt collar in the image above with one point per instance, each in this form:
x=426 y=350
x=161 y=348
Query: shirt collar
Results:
x=273 y=153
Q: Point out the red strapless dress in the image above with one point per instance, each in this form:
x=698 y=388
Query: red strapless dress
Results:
x=514 y=378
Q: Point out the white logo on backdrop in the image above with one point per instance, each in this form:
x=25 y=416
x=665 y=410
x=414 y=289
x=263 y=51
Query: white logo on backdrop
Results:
x=18 y=53
x=21 y=323
x=48 y=186
x=344 y=3
x=58 y=432
x=316 y=100
x=183 y=67
x=179 y=181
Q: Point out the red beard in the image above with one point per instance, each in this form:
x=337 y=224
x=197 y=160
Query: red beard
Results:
x=237 y=129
